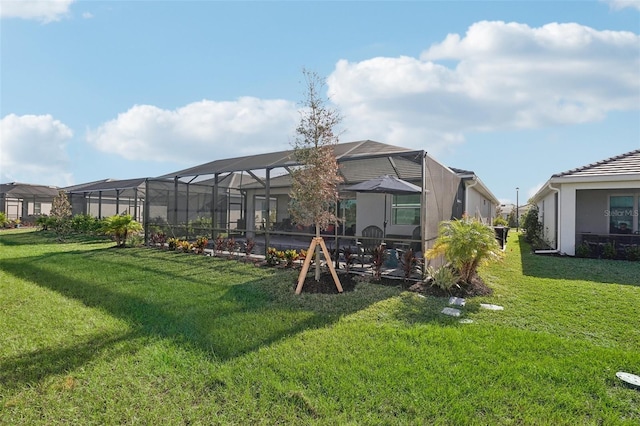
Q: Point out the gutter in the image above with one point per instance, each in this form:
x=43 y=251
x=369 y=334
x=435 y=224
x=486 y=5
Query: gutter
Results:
x=466 y=193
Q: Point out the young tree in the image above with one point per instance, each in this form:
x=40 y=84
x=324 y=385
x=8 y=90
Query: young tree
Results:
x=61 y=214
x=314 y=184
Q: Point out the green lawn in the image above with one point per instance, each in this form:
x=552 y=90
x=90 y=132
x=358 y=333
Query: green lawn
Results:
x=90 y=334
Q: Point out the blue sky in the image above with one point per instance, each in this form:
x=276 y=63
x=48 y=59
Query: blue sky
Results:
x=515 y=91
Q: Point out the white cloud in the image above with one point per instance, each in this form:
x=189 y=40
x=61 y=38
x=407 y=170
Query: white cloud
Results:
x=623 y=4
x=498 y=76
x=44 y=11
x=34 y=150
x=87 y=15
x=198 y=132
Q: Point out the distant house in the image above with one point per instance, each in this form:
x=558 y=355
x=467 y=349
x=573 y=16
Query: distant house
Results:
x=596 y=201
x=25 y=201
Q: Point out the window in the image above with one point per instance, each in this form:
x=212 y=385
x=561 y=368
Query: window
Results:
x=37 y=208
x=621 y=214
x=405 y=209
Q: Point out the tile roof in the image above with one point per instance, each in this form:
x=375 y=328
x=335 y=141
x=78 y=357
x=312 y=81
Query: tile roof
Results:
x=624 y=164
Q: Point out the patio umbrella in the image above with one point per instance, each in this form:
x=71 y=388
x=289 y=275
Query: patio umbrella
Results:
x=385 y=185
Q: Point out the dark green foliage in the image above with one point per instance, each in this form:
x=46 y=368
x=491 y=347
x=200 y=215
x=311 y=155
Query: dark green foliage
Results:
x=532 y=227
x=86 y=224
x=583 y=250
x=61 y=215
x=632 y=253
x=512 y=220
x=609 y=251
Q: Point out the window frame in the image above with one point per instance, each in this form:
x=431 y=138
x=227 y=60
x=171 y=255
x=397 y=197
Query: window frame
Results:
x=396 y=207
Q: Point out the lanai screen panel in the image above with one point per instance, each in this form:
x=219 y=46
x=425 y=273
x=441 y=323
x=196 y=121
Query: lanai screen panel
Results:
x=178 y=208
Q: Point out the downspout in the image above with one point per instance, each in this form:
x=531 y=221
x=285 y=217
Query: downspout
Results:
x=466 y=194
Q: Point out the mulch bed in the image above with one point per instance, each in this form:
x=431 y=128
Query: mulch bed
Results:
x=477 y=287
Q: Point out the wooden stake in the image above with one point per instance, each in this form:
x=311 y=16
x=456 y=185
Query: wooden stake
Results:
x=307 y=263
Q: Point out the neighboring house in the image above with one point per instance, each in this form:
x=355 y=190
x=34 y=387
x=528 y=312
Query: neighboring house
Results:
x=448 y=193
x=25 y=201
x=509 y=208
x=598 y=200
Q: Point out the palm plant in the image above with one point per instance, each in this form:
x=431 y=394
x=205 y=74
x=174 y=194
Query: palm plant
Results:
x=119 y=226
x=466 y=244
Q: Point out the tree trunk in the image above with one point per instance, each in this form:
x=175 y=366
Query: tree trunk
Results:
x=317 y=254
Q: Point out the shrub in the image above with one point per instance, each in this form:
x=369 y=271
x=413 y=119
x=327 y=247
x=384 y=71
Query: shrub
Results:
x=231 y=245
x=173 y=243
x=445 y=278
x=290 y=256
x=500 y=221
x=3 y=219
x=249 y=245
x=609 y=251
x=349 y=258
x=377 y=260
x=583 y=250
x=135 y=240
x=85 y=224
x=466 y=244
x=119 y=227
x=273 y=256
x=219 y=244
x=158 y=238
x=532 y=227
x=201 y=244
x=409 y=263
x=184 y=246
x=632 y=253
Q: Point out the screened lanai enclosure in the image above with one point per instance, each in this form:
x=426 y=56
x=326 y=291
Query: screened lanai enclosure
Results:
x=248 y=197
x=177 y=208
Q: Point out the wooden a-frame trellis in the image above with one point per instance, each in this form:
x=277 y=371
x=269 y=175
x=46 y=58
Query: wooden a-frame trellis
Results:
x=307 y=262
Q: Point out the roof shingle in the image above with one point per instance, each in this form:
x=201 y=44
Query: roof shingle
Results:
x=624 y=164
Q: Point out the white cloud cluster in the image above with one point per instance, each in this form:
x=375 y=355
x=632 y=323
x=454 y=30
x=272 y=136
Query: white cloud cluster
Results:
x=34 y=150
x=44 y=11
x=198 y=132
x=623 y=4
x=498 y=76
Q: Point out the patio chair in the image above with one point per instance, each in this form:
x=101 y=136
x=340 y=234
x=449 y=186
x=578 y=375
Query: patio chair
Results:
x=371 y=237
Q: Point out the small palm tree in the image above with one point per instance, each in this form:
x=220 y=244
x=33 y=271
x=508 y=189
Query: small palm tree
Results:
x=119 y=226
x=466 y=244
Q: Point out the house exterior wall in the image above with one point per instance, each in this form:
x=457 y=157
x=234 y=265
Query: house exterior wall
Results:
x=479 y=206
x=572 y=215
x=12 y=208
x=547 y=214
